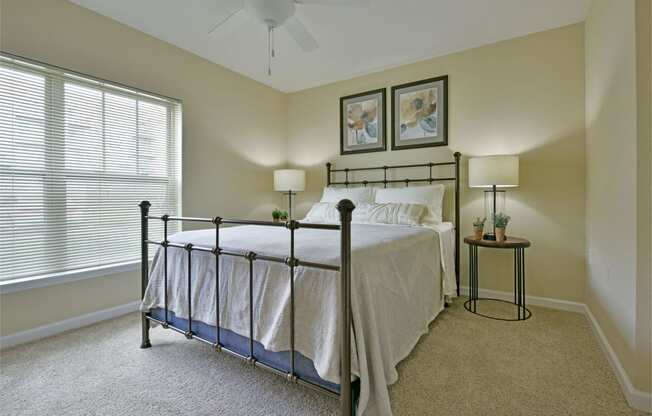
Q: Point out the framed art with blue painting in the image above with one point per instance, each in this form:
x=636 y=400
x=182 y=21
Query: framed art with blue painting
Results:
x=420 y=114
x=362 y=122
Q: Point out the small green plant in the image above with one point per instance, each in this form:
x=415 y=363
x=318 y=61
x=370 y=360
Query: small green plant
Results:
x=284 y=216
x=479 y=223
x=276 y=214
x=501 y=220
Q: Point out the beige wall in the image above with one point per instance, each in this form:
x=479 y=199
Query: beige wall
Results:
x=233 y=132
x=645 y=287
x=643 y=378
x=20 y=311
x=523 y=96
x=618 y=180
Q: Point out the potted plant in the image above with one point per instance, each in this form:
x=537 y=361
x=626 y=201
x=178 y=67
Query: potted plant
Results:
x=501 y=220
x=276 y=215
x=478 y=228
x=284 y=215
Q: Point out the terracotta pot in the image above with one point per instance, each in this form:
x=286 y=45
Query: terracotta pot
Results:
x=500 y=234
x=276 y=219
x=477 y=232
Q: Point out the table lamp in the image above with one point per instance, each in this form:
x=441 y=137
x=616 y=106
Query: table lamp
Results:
x=289 y=181
x=493 y=172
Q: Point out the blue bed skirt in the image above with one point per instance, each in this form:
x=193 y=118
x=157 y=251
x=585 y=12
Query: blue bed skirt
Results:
x=304 y=367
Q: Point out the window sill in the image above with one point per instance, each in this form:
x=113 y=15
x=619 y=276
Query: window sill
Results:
x=17 y=285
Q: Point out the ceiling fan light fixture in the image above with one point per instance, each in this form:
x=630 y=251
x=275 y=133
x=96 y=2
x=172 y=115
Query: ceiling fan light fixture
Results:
x=271 y=13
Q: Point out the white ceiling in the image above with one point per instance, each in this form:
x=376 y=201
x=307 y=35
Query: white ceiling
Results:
x=352 y=40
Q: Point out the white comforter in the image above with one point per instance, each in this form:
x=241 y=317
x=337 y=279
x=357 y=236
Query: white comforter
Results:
x=397 y=290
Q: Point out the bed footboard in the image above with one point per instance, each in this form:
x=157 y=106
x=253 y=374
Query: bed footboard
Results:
x=345 y=208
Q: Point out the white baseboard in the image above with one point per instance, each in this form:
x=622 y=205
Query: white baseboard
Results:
x=637 y=399
x=563 y=305
x=48 y=330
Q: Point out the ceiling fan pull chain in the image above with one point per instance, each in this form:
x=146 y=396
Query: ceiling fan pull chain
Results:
x=273 y=47
x=269 y=51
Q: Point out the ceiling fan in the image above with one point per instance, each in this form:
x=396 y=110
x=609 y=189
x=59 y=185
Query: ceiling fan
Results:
x=274 y=14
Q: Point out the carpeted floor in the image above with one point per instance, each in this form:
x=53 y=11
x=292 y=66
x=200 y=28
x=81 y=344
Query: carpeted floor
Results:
x=466 y=365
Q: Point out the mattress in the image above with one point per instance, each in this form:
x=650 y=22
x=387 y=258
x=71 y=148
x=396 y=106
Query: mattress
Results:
x=397 y=290
x=303 y=366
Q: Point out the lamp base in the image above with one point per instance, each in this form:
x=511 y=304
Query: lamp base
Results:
x=489 y=237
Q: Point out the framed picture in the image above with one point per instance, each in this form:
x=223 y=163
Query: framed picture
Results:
x=362 y=122
x=420 y=114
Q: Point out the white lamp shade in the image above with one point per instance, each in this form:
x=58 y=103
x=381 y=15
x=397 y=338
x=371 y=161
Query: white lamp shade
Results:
x=289 y=180
x=501 y=171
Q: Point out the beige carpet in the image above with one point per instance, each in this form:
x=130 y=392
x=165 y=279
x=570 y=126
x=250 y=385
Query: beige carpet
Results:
x=466 y=365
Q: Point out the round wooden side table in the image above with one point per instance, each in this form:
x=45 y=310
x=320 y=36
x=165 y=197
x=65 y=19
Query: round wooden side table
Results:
x=514 y=243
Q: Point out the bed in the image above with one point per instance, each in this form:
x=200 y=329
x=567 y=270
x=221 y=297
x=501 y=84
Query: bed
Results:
x=271 y=293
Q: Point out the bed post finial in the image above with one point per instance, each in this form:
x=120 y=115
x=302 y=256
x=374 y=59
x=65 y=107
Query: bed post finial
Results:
x=144 y=212
x=345 y=207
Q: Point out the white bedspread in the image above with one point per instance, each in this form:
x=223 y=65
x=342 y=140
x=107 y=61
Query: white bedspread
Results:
x=397 y=290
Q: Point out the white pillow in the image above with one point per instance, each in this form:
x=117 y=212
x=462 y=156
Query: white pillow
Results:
x=389 y=213
x=356 y=195
x=324 y=212
x=432 y=196
x=364 y=213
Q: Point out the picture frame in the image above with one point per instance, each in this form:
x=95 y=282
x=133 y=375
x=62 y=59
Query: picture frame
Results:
x=420 y=114
x=362 y=122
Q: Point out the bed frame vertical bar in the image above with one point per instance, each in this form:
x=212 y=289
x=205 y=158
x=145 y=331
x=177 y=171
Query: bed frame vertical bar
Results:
x=144 y=269
x=291 y=261
x=217 y=251
x=457 y=220
x=345 y=207
x=251 y=256
x=165 y=267
x=385 y=176
x=188 y=248
x=328 y=174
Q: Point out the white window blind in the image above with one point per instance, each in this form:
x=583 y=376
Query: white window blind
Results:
x=77 y=155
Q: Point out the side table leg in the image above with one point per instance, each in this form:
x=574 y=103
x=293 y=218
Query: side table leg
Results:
x=515 y=274
x=517 y=282
x=475 y=278
x=523 y=281
x=471 y=277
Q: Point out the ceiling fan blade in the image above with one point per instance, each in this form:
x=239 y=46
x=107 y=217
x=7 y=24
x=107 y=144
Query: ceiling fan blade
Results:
x=300 y=34
x=230 y=24
x=354 y=3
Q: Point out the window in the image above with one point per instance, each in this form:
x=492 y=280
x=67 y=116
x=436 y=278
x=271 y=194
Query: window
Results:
x=77 y=155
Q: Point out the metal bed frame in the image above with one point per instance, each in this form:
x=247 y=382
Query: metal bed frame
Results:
x=345 y=208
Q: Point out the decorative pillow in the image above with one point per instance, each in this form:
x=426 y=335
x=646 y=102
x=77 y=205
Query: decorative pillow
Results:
x=432 y=196
x=389 y=213
x=356 y=195
x=364 y=213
